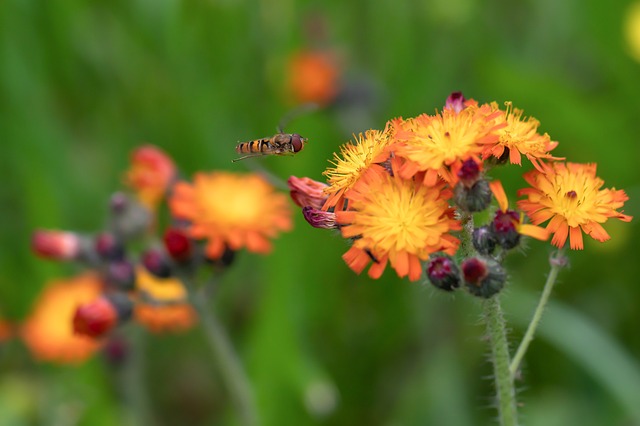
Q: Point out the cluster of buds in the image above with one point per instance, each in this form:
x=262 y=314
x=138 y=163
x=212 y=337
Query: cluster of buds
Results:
x=408 y=196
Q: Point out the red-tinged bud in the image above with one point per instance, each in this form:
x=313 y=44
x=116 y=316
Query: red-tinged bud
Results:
x=95 y=319
x=469 y=172
x=443 y=273
x=483 y=277
x=474 y=199
x=455 y=101
x=306 y=192
x=56 y=245
x=108 y=246
x=151 y=173
x=504 y=228
x=319 y=218
x=121 y=275
x=483 y=240
x=178 y=244
x=156 y=263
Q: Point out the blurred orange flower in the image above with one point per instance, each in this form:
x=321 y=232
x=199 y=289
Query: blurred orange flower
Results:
x=150 y=175
x=570 y=196
x=231 y=210
x=313 y=76
x=162 y=303
x=396 y=220
x=48 y=331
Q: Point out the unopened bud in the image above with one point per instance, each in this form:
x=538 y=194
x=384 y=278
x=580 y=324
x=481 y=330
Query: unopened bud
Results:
x=505 y=228
x=455 y=101
x=122 y=304
x=483 y=240
x=443 y=273
x=319 y=218
x=469 y=172
x=474 y=199
x=118 y=203
x=108 y=246
x=56 y=245
x=156 y=263
x=121 y=275
x=178 y=244
x=483 y=277
x=96 y=318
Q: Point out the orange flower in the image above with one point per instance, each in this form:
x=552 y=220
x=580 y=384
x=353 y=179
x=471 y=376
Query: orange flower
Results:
x=569 y=195
x=230 y=209
x=396 y=220
x=306 y=192
x=162 y=303
x=313 y=77
x=150 y=175
x=353 y=161
x=48 y=332
x=439 y=144
x=519 y=136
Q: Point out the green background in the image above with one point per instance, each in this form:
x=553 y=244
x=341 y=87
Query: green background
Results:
x=82 y=83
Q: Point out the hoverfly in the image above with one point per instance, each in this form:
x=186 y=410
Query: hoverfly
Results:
x=279 y=144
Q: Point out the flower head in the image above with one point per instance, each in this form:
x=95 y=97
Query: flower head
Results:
x=150 y=175
x=439 y=144
x=354 y=160
x=48 y=331
x=570 y=197
x=396 y=220
x=231 y=209
x=519 y=136
x=162 y=303
x=313 y=77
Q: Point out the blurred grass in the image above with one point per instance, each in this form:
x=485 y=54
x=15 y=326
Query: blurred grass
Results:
x=81 y=83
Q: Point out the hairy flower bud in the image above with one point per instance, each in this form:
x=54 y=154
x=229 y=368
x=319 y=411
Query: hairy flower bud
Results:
x=121 y=274
x=96 y=318
x=108 y=246
x=156 y=263
x=504 y=228
x=483 y=240
x=483 y=277
x=472 y=199
x=443 y=273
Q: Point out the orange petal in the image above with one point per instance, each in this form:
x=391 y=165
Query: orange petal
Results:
x=498 y=192
x=575 y=238
x=534 y=232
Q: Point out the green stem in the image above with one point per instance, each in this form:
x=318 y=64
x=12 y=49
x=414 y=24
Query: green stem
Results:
x=557 y=262
x=227 y=361
x=505 y=391
x=132 y=377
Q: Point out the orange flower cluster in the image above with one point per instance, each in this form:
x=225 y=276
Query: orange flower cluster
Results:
x=401 y=194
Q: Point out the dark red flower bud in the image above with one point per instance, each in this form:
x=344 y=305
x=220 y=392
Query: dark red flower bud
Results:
x=56 y=245
x=483 y=240
x=121 y=275
x=443 y=273
x=469 y=172
x=156 y=263
x=178 y=244
x=95 y=319
x=505 y=228
x=108 y=246
x=483 y=277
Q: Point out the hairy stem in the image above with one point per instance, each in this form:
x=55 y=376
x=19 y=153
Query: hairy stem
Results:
x=505 y=391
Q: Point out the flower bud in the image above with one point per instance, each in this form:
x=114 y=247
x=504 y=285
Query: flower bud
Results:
x=56 y=245
x=108 y=246
x=118 y=203
x=472 y=199
x=469 y=172
x=156 y=263
x=178 y=244
x=455 y=101
x=122 y=304
x=483 y=240
x=306 y=192
x=96 y=318
x=121 y=274
x=151 y=173
x=443 y=273
x=483 y=277
x=319 y=218
x=504 y=228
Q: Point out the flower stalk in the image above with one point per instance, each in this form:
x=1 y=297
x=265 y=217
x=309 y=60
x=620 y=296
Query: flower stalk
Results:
x=557 y=262
x=497 y=334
